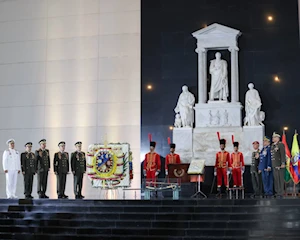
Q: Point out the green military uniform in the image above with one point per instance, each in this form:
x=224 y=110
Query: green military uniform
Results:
x=278 y=158
x=61 y=168
x=43 y=166
x=78 y=165
x=256 y=177
x=28 y=166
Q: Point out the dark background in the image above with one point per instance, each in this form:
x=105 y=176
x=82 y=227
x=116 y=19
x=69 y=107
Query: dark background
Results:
x=267 y=49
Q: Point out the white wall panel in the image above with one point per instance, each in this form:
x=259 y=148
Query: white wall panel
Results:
x=71 y=93
x=20 y=52
x=72 y=70
x=116 y=23
x=83 y=115
x=22 y=73
x=119 y=6
x=24 y=30
x=126 y=90
x=22 y=95
x=72 y=48
x=119 y=114
x=73 y=26
x=119 y=45
x=58 y=8
x=21 y=117
x=22 y=9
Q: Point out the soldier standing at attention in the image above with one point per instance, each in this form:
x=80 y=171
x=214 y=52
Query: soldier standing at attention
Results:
x=28 y=165
x=78 y=165
x=43 y=166
x=172 y=157
x=238 y=166
x=256 y=176
x=278 y=164
x=11 y=167
x=61 y=169
x=222 y=166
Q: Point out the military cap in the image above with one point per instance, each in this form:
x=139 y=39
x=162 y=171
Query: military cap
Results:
x=61 y=143
x=152 y=144
x=42 y=141
x=10 y=141
x=28 y=144
x=78 y=143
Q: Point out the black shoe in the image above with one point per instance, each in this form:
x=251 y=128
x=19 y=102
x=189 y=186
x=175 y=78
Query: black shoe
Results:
x=31 y=197
x=59 y=196
x=77 y=197
x=65 y=196
x=41 y=196
x=45 y=196
x=27 y=197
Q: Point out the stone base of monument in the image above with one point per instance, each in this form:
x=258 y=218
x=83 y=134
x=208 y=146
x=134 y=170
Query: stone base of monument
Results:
x=218 y=114
x=183 y=137
x=203 y=143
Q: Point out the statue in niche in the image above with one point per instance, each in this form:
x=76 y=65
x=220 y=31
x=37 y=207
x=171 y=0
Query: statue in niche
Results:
x=254 y=117
x=177 y=122
x=219 y=79
x=185 y=108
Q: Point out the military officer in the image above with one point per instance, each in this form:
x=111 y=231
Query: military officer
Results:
x=61 y=169
x=43 y=166
x=28 y=165
x=11 y=167
x=256 y=176
x=78 y=165
x=172 y=157
x=278 y=164
x=265 y=168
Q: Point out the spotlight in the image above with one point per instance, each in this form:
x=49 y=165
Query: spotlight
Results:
x=285 y=128
x=149 y=87
x=276 y=79
x=270 y=18
x=171 y=127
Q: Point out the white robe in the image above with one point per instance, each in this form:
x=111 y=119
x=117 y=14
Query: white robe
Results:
x=219 y=80
x=252 y=108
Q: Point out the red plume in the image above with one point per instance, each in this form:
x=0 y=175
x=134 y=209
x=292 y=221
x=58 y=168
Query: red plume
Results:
x=149 y=137
x=232 y=138
x=169 y=140
x=218 y=133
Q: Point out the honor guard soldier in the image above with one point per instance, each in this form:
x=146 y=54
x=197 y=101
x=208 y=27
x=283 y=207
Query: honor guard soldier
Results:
x=11 y=167
x=78 y=165
x=238 y=166
x=265 y=168
x=61 y=169
x=152 y=164
x=172 y=157
x=28 y=165
x=222 y=166
x=43 y=166
x=256 y=175
x=278 y=164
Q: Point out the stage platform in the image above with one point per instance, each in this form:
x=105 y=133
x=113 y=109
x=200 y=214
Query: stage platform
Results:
x=253 y=219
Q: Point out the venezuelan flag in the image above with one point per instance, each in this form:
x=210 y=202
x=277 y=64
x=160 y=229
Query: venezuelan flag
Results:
x=293 y=166
x=287 y=176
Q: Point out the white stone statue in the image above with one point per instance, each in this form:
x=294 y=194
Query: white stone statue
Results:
x=185 y=106
x=254 y=117
x=177 y=122
x=219 y=79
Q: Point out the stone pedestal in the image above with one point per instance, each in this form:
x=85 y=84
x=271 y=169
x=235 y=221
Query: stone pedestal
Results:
x=251 y=134
x=206 y=143
x=183 y=137
x=218 y=114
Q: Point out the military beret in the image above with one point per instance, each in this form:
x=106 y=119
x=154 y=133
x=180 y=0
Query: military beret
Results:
x=10 y=140
x=61 y=143
x=78 y=143
x=42 y=141
x=28 y=144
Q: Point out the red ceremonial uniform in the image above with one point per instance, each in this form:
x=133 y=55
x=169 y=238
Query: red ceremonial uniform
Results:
x=222 y=163
x=151 y=165
x=237 y=163
x=171 y=159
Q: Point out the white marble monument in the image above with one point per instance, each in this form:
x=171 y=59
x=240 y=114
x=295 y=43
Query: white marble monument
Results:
x=222 y=112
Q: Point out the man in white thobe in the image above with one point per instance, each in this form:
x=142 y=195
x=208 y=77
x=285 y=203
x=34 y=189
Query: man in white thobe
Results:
x=11 y=167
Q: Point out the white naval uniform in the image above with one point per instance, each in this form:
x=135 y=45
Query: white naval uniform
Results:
x=11 y=163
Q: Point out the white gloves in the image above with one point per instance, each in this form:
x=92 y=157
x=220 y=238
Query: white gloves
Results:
x=156 y=174
x=215 y=173
x=166 y=172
